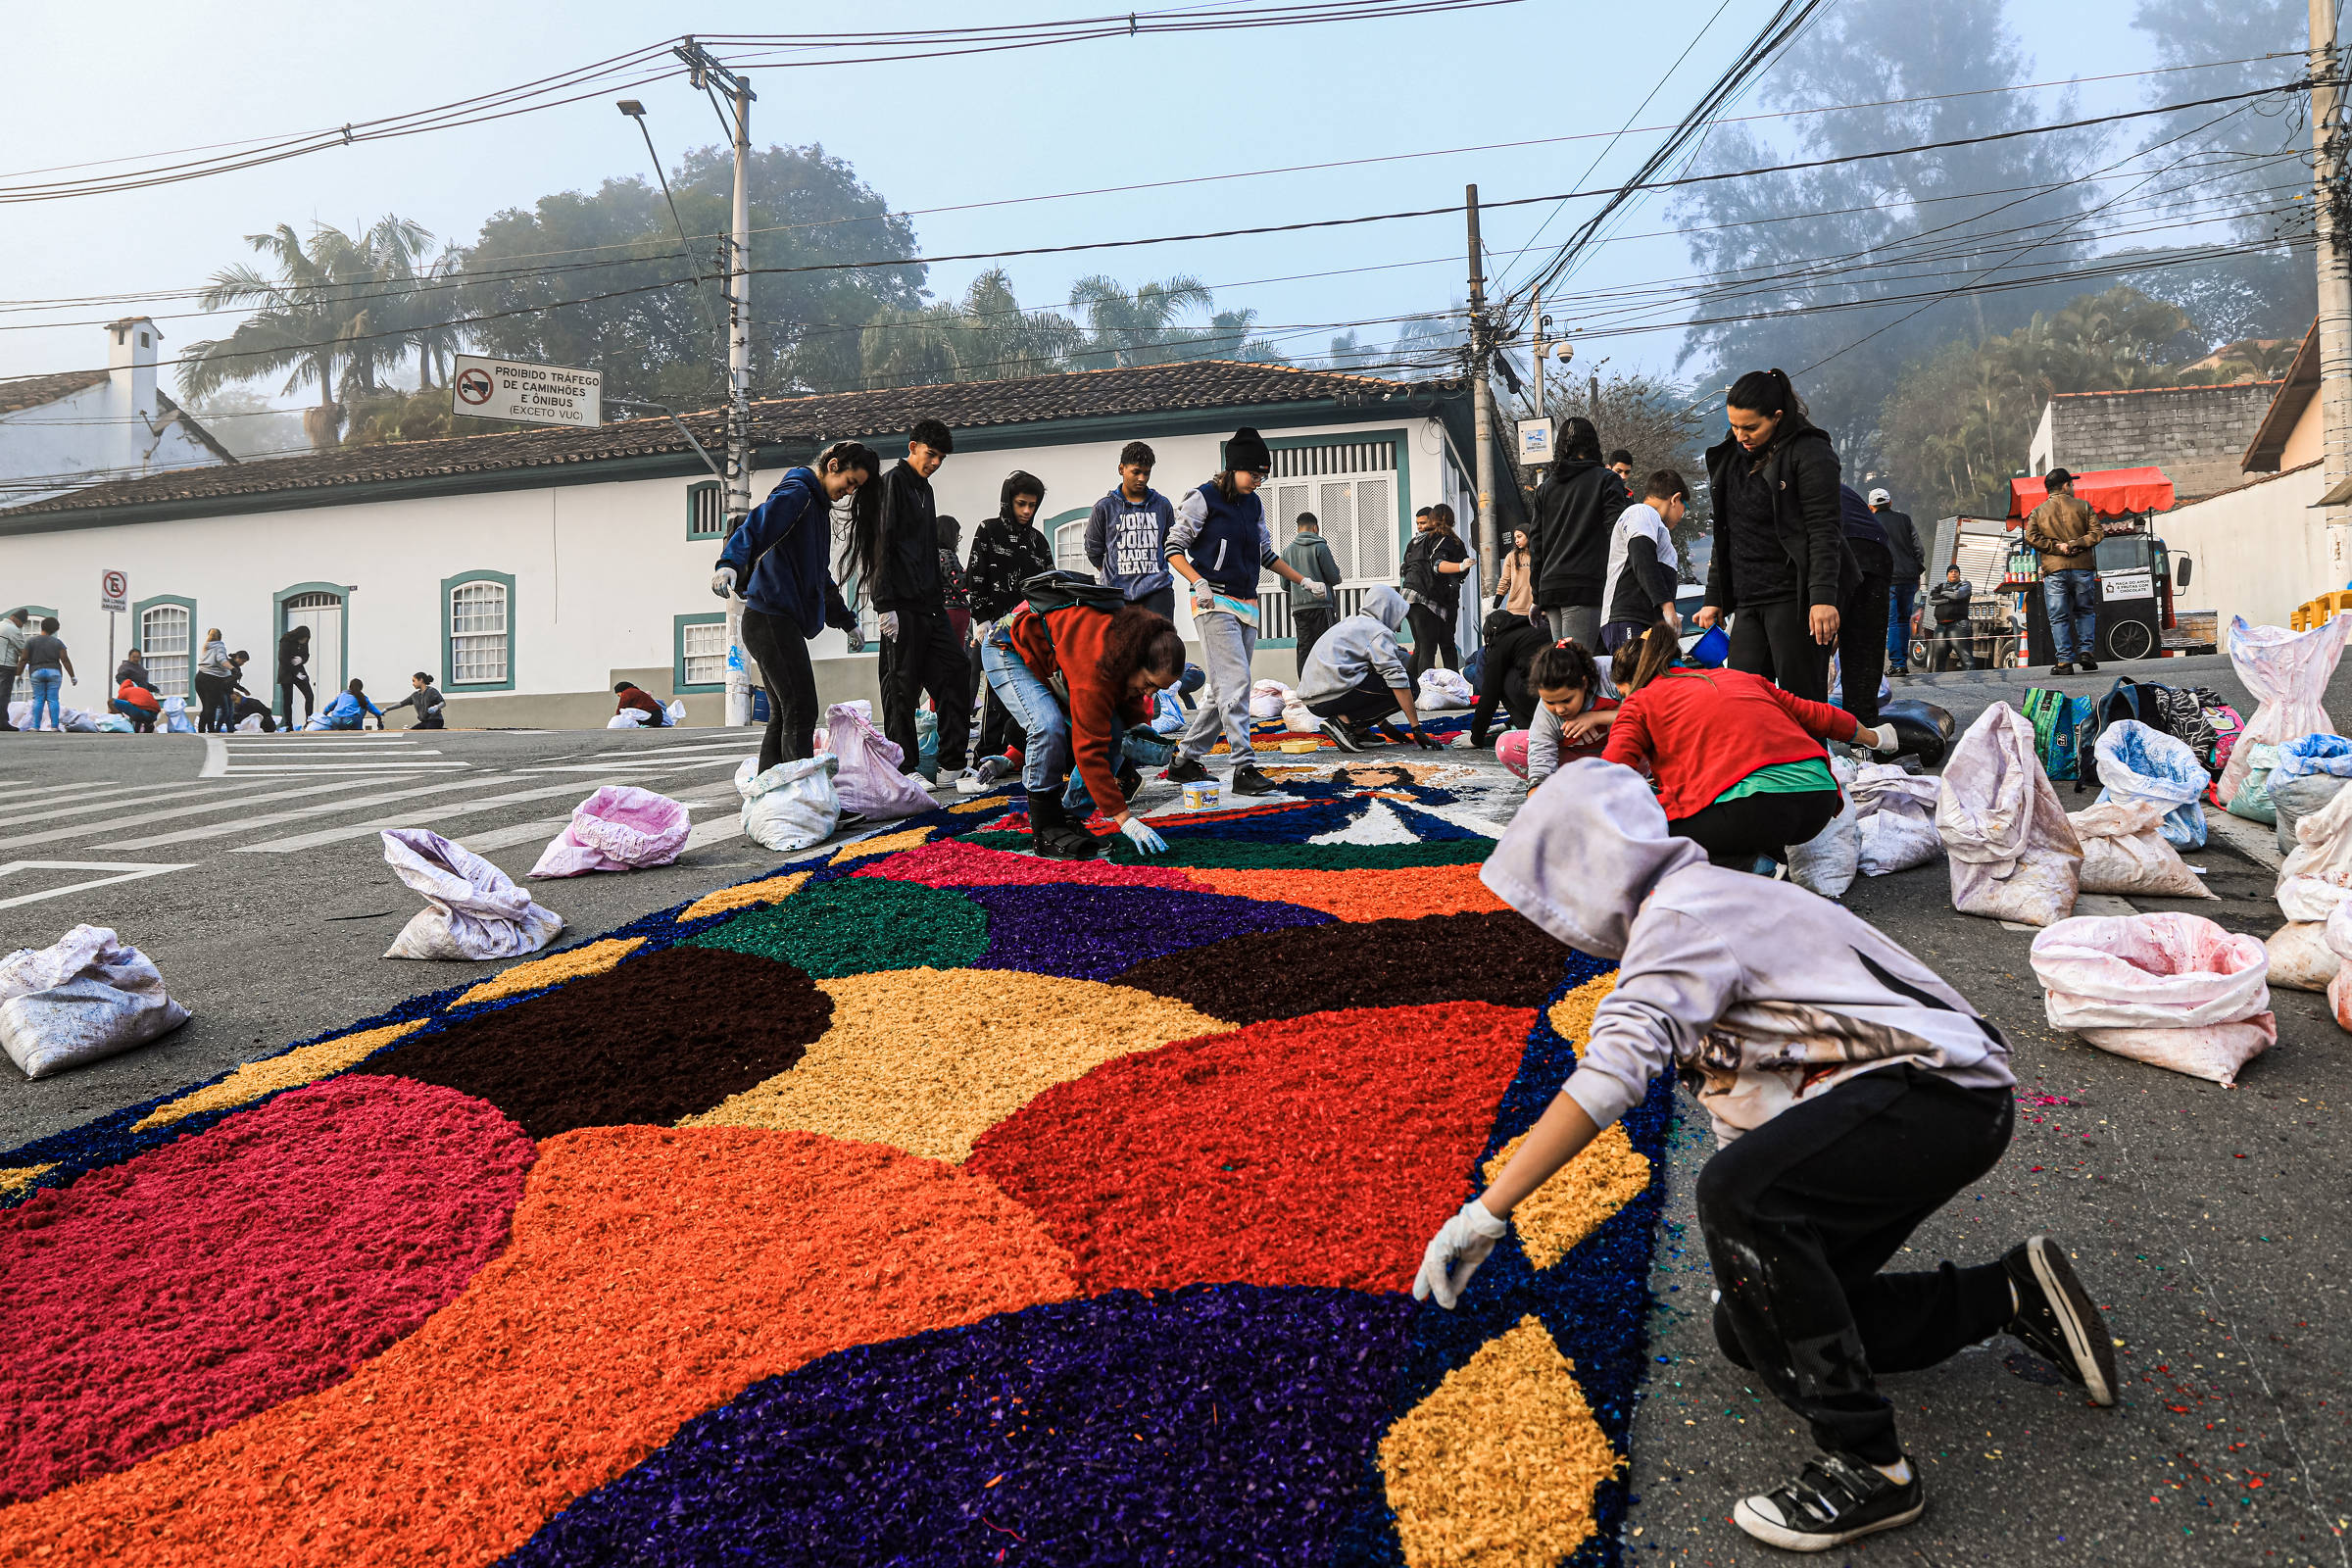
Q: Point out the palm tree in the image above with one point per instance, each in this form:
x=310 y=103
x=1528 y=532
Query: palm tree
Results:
x=1137 y=329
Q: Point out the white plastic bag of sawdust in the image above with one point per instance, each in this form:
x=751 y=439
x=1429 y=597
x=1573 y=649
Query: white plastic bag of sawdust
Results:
x=618 y=828
x=2287 y=672
x=2300 y=957
x=2172 y=990
x=1828 y=862
x=2014 y=854
x=1443 y=691
x=472 y=909
x=1895 y=815
x=1268 y=697
x=89 y=997
x=2124 y=851
x=626 y=718
x=792 y=805
x=2317 y=875
x=2338 y=935
x=869 y=781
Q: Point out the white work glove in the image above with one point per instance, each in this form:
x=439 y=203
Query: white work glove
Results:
x=1882 y=740
x=1321 y=590
x=890 y=625
x=1204 y=597
x=1454 y=1253
x=1139 y=833
x=722 y=581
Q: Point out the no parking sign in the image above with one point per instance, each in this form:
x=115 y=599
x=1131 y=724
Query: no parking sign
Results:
x=114 y=593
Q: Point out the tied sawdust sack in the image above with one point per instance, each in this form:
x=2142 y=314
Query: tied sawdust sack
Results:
x=2300 y=957
x=2014 y=853
x=2317 y=875
x=472 y=909
x=2288 y=671
x=90 y=996
x=792 y=805
x=2172 y=990
x=2125 y=849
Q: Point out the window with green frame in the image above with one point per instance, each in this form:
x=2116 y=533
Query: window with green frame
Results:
x=706 y=509
x=700 y=652
x=477 y=633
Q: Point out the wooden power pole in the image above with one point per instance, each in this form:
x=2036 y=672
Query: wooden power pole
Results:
x=1482 y=398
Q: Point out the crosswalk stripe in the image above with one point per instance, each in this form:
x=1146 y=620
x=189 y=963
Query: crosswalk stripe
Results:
x=386 y=767
x=306 y=813
x=215 y=803
x=368 y=829
x=108 y=800
x=548 y=827
x=124 y=871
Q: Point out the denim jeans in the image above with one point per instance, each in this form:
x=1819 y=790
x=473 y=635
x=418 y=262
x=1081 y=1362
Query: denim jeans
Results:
x=1225 y=648
x=45 y=682
x=2071 y=600
x=1045 y=760
x=1901 y=597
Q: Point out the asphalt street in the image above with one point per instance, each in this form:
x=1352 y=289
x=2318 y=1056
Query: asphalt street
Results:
x=2208 y=1222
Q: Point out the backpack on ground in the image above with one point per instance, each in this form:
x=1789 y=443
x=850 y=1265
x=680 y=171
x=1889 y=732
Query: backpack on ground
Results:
x=2065 y=728
x=2185 y=719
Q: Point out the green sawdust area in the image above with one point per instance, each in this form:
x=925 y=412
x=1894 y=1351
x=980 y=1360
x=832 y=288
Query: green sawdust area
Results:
x=1235 y=854
x=858 y=925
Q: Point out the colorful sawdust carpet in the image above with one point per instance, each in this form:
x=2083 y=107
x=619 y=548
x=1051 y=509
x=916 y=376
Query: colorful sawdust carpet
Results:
x=921 y=1203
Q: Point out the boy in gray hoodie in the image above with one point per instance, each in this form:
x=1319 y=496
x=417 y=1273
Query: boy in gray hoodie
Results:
x=1853 y=1094
x=1355 y=677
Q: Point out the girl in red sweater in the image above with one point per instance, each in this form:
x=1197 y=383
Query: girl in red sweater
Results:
x=1739 y=762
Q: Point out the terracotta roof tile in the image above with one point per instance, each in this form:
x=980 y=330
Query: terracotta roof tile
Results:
x=31 y=391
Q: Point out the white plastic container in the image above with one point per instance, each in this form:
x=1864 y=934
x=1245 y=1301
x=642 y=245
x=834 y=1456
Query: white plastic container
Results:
x=1200 y=796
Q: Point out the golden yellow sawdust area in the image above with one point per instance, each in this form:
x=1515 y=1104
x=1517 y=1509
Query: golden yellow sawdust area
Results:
x=887 y=844
x=16 y=1179
x=767 y=889
x=540 y=973
x=928 y=1059
x=1496 y=1468
x=1608 y=1174
x=300 y=1066
x=992 y=803
x=1572 y=1014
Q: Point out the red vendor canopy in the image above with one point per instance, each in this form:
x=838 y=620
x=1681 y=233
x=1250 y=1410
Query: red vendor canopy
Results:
x=2107 y=492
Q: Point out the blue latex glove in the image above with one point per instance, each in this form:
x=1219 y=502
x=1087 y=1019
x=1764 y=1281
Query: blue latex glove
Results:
x=1139 y=833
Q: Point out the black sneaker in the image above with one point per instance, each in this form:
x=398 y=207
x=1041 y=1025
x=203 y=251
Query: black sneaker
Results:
x=2062 y=669
x=2088 y=665
x=1187 y=770
x=2056 y=1319
x=1898 y=670
x=1341 y=733
x=1838 y=1499
x=1248 y=780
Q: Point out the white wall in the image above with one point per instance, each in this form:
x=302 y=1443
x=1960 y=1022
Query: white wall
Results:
x=2259 y=550
x=94 y=433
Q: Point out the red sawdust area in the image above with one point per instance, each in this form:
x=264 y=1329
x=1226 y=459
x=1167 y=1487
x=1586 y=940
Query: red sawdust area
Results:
x=1497 y=956
x=653 y=1273
x=954 y=864
x=217 y=1275
x=1316 y=1151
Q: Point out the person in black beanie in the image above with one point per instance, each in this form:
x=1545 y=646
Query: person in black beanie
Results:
x=1007 y=550
x=899 y=558
x=1575 y=507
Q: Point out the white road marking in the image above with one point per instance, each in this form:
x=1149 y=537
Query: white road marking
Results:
x=218 y=802
x=124 y=871
x=368 y=829
x=216 y=757
x=346 y=767
x=306 y=813
x=124 y=795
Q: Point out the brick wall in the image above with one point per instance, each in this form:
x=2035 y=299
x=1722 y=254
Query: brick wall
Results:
x=2195 y=434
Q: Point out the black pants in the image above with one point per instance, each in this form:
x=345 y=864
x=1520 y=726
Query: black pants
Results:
x=1802 y=1214
x=1368 y=702
x=428 y=721
x=1735 y=832
x=290 y=682
x=8 y=687
x=1776 y=642
x=1432 y=641
x=1862 y=631
x=1162 y=602
x=925 y=660
x=1308 y=626
x=213 y=693
x=790 y=683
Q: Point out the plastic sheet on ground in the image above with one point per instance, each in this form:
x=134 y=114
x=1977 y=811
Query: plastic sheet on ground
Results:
x=2137 y=763
x=89 y=997
x=2172 y=990
x=868 y=781
x=2014 y=854
x=1443 y=691
x=618 y=828
x=2287 y=672
x=793 y=805
x=1896 y=817
x=2124 y=851
x=2317 y=875
x=2300 y=957
x=472 y=909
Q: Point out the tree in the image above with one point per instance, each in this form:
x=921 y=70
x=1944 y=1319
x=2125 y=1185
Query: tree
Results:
x=1145 y=327
x=1662 y=425
x=986 y=335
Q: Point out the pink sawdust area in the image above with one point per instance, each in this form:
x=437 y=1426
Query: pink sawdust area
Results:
x=222 y=1275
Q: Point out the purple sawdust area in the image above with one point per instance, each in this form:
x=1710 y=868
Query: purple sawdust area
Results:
x=1215 y=1424
x=1495 y=955
x=1093 y=933
x=654 y=1039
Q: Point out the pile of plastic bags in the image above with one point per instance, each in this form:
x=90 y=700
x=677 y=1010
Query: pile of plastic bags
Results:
x=2170 y=990
x=89 y=997
x=618 y=828
x=472 y=909
x=635 y=718
x=1268 y=697
x=2313 y=882
x=792 y=805
x=2014 y=854
x=2139 y=764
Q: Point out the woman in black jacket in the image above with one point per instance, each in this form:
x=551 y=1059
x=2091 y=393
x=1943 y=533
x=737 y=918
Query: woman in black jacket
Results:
x=1781 y=560
x=1575 y=507
x=294 y=673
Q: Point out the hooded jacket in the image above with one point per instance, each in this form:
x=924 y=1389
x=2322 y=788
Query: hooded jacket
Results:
x=1128 y=541
x=1575 y=506
x=1360 y=645
x=1070 y=641
x=906 y=552
x=1310 y=557
x=1759 y=994
x=781 y=547
x=1005 y=552
x=1801 y=469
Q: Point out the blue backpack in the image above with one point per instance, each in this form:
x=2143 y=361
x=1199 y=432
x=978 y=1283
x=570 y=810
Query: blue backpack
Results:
x=2065 y=729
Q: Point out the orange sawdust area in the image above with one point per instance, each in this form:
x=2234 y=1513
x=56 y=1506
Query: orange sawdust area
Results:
x=653 y=1273
x=1607 y=1174
x=1358 y=896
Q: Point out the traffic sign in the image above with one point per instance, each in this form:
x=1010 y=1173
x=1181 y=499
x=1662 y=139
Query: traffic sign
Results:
x=114 y=593
x=530 y=394
x=1534 y=441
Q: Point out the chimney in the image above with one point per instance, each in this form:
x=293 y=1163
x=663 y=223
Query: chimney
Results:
x=130 y=353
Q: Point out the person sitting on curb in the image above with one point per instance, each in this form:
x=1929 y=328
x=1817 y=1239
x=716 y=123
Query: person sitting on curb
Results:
x=1356 y=676
x=1572 y=719
x=630 y=698
x=1855 y=1093
x=349 y=710
x=425 y=698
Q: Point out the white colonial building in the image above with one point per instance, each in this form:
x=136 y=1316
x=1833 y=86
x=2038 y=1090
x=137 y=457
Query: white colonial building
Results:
x=70 y=428
x=528 y=572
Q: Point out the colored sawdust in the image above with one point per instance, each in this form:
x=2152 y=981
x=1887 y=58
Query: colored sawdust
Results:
x=881 y=844
x=648 y=1042
x=653 y=1274
x=593 y=958
x=994 y=802
x=1220 y=1423
x=1318 y=1150
x=1572 y=1015
x=1362 y=895
x=1094 y=933
x=927 y=1062
x=287 y=1070
x=745 y=895
x=1498 y=957
x=213 y=1278
x=1274 y=854
x=20 y=1178
x=1580 y=1198
x=1498 y=1466
x=956 y=863
x=856 y=925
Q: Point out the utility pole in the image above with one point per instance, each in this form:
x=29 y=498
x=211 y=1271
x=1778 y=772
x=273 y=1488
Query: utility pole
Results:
x=2329 y=211
x=1481 y=396
x=1536 y=323
x=703 y=69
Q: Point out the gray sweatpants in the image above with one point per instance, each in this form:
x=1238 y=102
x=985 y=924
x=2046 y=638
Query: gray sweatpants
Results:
x=1225 y=649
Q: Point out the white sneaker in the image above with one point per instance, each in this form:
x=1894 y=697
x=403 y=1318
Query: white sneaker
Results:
x=969 y=782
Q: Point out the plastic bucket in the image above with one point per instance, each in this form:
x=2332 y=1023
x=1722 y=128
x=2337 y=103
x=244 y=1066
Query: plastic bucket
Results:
x=1713 y=648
